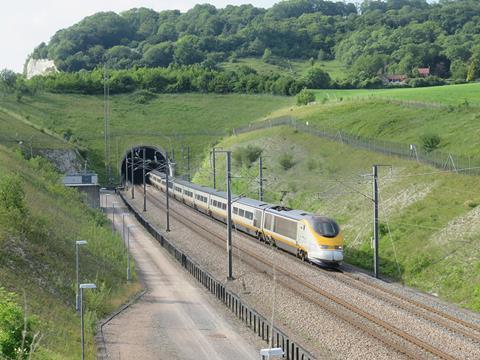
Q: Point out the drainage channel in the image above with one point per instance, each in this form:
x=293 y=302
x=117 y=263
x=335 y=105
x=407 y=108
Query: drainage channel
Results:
x=251 y=318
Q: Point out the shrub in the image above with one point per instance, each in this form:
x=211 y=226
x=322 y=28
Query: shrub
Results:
x=143 y=96
x=14 y=343
x=247 y=155
x=286 y=161
x=424 y=82
x=305 y=97
x=430 y=142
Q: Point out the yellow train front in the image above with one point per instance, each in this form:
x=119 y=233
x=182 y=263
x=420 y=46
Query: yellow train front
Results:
x=308 y=236
x=305 y=235
x=323 y=239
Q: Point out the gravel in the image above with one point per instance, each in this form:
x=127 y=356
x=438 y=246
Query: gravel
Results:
x=316 y=329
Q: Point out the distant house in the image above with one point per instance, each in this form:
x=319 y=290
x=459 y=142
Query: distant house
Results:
x=424 y=72
x=396 y=79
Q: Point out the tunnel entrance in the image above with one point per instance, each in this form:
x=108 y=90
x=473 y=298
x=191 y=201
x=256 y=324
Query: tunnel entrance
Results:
x=154 y=160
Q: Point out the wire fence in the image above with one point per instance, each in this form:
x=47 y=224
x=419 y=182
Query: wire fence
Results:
x=468 y=165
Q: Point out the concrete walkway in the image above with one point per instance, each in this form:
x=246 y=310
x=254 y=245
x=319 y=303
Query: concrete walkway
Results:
x=175 y=319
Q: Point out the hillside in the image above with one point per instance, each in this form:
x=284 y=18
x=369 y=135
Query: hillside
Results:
x=169 y=121
x=380 y=37
x=40 y=220
x=403 y=116
x=429 y=219
x=439 y=95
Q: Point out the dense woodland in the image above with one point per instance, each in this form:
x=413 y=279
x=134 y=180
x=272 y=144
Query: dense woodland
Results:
x=170 y=51
x=393 y=36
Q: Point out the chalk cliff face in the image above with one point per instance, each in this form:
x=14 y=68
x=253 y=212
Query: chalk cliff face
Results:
x=39 y=67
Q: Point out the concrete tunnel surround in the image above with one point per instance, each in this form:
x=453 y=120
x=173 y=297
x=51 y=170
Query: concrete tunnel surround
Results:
x=154 y=156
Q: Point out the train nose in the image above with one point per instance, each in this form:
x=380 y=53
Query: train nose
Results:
x=328 y=255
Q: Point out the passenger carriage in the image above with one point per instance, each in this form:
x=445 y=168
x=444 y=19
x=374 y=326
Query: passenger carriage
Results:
x=303 y=234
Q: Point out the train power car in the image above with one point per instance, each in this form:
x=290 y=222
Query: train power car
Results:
x=306 y=235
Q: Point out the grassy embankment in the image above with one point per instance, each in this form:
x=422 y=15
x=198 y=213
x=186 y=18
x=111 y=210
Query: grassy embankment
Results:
x=443 y=95
x=429 y=221
x=37 y=251
x=168 y=121
x=456 y=125
x=295 y=68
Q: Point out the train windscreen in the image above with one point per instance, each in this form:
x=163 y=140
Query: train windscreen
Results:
x=326 y=227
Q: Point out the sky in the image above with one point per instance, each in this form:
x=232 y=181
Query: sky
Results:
x=26 y=23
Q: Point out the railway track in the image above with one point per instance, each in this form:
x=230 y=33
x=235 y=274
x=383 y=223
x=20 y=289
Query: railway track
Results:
x=404 y=343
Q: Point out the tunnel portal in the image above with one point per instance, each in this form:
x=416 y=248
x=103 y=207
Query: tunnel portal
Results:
x=154 y=160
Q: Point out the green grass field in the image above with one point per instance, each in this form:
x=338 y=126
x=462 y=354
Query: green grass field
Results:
x=443 y=95
x=429 y=220
x=295 y=68
x=37 y=257
x=16 y=133
x=169 y=121
x=457 y=127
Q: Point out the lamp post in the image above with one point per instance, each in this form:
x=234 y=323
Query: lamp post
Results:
x=113 y=217
x=77 y=267
x=123 y=227
x=229 y=213
x=84 y=286
x=129 y=277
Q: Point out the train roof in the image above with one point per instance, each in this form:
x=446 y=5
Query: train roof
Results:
x=270 y=208
x=254 y=203
x=289 y=213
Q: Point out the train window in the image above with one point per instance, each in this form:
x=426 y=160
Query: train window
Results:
x=248 y=215
x=326 y=227
x=285 y=227
x=224 y=206
x=235 y=210
x=268 y=221
x=241 y=212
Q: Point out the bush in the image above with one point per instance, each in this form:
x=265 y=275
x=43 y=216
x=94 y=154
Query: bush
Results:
x=317 y=78
x=247 y=155
x=143 y=96
x=305 y=97
x=286 y=161
x=430 y=142
x=12 y=324
x=427 y=81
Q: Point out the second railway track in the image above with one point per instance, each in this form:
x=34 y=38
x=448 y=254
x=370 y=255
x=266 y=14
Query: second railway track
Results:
x=398 y=339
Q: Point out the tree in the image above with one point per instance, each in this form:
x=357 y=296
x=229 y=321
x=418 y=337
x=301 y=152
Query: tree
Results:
x=267 y=55
x=473 y=72
x=317 y=78
x=458 y=69
x=187 y=50
x=159 y=55
x=8 y=79
x=305 y=97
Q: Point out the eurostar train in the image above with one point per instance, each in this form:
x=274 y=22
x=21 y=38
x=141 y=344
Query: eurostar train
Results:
x=307 y=236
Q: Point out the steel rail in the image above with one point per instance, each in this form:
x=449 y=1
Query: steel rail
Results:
x=188 y=222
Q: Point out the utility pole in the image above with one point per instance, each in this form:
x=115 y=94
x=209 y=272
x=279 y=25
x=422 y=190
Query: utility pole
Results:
x=133 y=184
x=260 y=175
x=229 y=216
x=188 y=163
x=167 y=171
x=214 y=170
x=105 y=120
x=144 y=184
x=375 y=220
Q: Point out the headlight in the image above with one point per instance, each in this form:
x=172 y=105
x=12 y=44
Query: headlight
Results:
x=339 y=247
